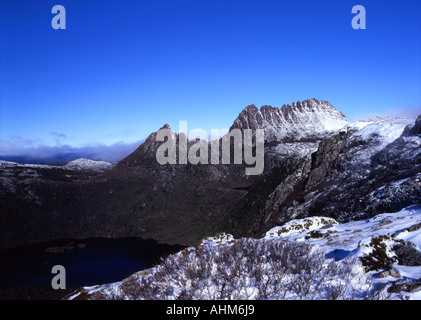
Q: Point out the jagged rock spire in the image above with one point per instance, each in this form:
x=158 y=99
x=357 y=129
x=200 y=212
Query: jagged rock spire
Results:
x=298 y=120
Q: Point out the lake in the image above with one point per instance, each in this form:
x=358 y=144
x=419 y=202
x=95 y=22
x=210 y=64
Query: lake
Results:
x=87 y=262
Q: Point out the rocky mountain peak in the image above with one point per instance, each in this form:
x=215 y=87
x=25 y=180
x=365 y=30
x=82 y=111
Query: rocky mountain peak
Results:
x=299 y=120
x=147 y=150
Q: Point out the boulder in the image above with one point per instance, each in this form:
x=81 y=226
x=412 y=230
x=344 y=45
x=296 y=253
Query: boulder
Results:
x=408 y=256
x=408 y=285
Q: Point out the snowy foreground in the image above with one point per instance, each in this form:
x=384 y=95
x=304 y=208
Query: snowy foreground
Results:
x=311 y=258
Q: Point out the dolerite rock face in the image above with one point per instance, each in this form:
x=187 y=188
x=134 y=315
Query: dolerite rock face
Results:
x=293 y=130
x=310 y=119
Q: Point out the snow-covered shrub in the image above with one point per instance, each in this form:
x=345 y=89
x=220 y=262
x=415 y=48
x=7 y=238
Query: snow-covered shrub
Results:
x=250 y=269
x=380 y=252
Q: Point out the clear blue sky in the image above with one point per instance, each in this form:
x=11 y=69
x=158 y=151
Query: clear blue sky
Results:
x=123 y=68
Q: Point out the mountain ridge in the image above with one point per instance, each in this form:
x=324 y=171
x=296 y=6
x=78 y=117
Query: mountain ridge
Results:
x=307 y=118
x=180 y=204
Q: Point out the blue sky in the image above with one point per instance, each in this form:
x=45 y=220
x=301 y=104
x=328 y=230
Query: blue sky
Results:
x=122 y=69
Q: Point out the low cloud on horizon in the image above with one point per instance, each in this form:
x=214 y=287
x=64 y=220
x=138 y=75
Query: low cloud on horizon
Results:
x=21 y=150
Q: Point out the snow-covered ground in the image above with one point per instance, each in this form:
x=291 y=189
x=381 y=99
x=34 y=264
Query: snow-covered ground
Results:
x=335 y=267
x=352 y=240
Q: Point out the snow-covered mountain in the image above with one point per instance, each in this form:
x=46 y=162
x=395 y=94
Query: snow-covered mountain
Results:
x=368 y=167
x=293 y=130
x=89 y=165
x=307 y=120
x=311 y=258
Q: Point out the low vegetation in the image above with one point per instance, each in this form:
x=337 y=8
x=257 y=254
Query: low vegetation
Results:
x=247 y=269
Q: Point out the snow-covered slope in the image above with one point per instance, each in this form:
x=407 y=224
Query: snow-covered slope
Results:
x=375 y=258
x=379 y=131
x=368 y=167
x=89 y=165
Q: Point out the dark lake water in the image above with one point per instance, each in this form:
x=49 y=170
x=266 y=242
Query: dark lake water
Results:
x=87 y=262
